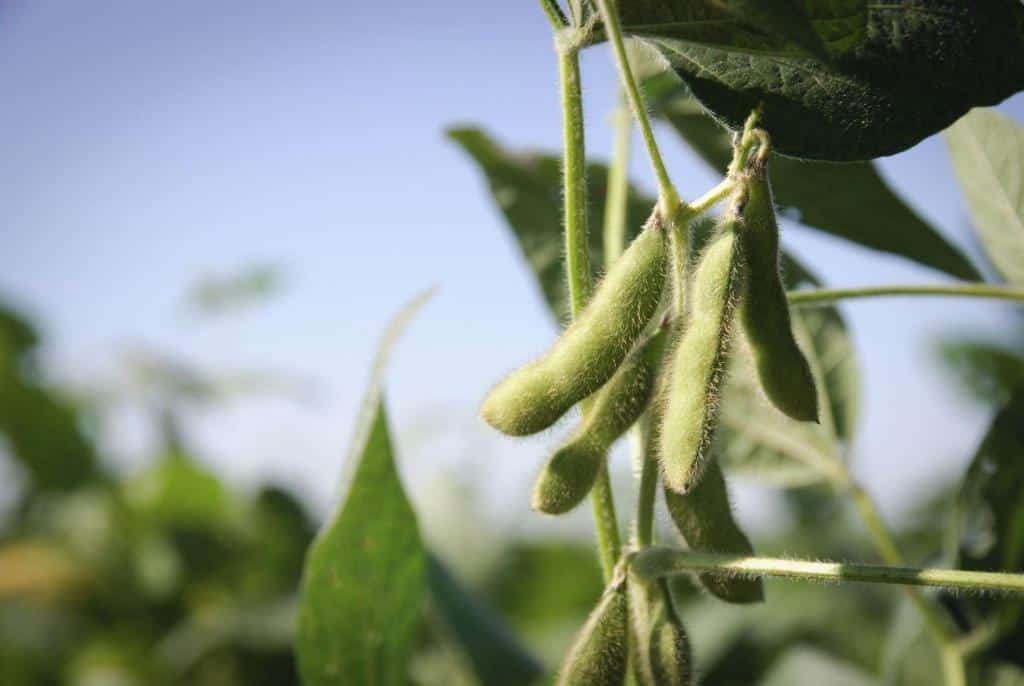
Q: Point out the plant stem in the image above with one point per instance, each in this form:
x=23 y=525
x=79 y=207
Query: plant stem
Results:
x=617 y=194
x=554 y=14
x=949 y=655
x=823 y=296
x=658 y=561
x=668 y=196
x=644 y=525
x=577 y=265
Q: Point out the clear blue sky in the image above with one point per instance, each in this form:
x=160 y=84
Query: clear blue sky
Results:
x=144 y=145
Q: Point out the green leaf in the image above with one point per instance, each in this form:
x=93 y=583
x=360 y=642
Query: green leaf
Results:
x=919 y=67
x=757 y=440
x=991 y=518
x=527 y=187
x=497 y=656
x=801 y=665
x=850 y=201
x=988 y=154
x=365 y=573
x=768 y=27
x=989 y=371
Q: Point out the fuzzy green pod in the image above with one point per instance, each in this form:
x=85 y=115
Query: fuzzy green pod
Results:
x=697 y=363
x=782 y=368
x=704 y=518
x=598 y=656
x=587 y=354
x=661 y=647
x=570 y=473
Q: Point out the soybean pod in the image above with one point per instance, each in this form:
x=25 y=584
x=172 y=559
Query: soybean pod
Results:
x=598 y=656
x=698 y=361
x=704 y=517
x=661 y=646
x=587 y=354
x=570 y=473
x=781 y=366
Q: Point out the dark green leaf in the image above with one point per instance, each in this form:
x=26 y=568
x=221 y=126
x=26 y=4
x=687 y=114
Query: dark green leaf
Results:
x=768 y=27
x=497 y=656
x=850 y=200
x=920 y=65
x=988 y=155
x=365 y=573
x=528 y=190
x=43 y=432
x=991 y=516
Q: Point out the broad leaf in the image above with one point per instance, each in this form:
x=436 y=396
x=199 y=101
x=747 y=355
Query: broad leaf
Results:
x=528 y=190
x=918 y=68
x=495 y=653
x=365 y=573
x=991 y=514
x=850 y=201
x=988 y=154
x=767 y=27
x=757 y=440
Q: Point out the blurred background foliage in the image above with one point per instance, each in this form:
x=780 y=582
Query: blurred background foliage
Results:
x=169 y=575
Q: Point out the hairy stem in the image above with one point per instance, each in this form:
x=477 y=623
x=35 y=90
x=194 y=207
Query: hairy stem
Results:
x=644 y=525
x=658 y=561
x=668 y=196
x=577 y=266
x=824 y=296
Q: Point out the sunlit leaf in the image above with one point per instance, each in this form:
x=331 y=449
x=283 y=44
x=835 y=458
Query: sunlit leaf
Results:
x=365 y=574
x=987 y=149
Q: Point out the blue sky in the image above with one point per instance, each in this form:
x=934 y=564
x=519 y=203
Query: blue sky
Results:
x=145 y=145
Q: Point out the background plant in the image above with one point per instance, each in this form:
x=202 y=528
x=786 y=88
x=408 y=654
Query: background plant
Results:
x=747 y=453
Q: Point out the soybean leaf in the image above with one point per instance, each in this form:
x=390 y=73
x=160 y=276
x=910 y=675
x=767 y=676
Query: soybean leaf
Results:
x=365 y=573
x=497 y=656
x=527 y=187
x=991 y=524
x=769 y=27
x=919 y=67
x=989 y=371
x=757 y=440
x=850 y=200
x=987 y=149
x=809 y=666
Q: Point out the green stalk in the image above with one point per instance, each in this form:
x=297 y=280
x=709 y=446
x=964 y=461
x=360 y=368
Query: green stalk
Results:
x=577 y=264
x=668 y=196
x=824 y=296
x=660 y=561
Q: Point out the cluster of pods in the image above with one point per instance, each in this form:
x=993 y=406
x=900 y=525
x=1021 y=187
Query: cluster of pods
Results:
x=627 y=354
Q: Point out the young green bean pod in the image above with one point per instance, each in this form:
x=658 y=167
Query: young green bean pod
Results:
x=598 y=656
x=697 y=363
x=781 y=366
x=704 y=517
x=570 y=473
x=587 y=354
x=661 y=646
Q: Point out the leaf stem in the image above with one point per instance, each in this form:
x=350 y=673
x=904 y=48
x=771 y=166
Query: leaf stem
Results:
x=554 y=14
x=658 y=561
x=577 y=265
x=824 y=296
x=668 y=196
